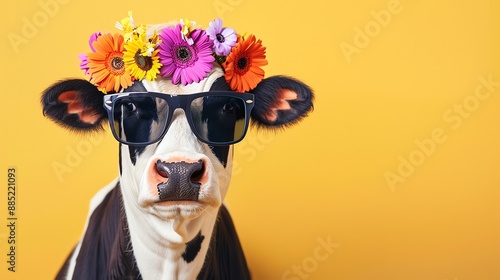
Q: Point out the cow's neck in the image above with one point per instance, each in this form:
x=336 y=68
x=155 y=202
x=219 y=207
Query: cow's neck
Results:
x=169 y=249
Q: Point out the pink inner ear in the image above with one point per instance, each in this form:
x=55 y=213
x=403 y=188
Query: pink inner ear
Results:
x=74 y=107
x=67 y=96
x=85 y=115
x=88 y=116
x=281 y=103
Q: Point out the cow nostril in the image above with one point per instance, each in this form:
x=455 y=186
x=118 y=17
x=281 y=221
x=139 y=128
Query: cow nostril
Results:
x=198 y=174
x=160 y=168
x=163 y=173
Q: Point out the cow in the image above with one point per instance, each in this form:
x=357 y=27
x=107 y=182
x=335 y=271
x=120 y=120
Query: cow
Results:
x=176 y=122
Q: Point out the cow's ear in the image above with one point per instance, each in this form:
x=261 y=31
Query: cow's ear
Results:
x=75 y=104
x=281 y=101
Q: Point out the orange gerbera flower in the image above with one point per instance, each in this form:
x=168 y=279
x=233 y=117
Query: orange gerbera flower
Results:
x=106 y=66
x=243 y=64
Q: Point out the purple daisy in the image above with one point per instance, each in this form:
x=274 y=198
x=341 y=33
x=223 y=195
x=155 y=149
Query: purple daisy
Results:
x=83 y=57
x=183 y=62
x=224 y=38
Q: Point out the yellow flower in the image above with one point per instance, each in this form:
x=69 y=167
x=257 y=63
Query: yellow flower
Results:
x=187 y=27
x=129 y=28
x=126 y=24
x=151 y=44
x=141 y=58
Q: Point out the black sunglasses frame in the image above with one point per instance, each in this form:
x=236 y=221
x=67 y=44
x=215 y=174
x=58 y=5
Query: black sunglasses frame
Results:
x=174 y=101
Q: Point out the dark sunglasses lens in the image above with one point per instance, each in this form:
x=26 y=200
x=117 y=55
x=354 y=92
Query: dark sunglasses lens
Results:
x=219 y=119
x=139 y=119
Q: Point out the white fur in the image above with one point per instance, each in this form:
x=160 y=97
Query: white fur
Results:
x=159 y=232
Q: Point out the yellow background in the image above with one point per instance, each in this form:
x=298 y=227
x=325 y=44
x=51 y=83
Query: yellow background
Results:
x=324 y=179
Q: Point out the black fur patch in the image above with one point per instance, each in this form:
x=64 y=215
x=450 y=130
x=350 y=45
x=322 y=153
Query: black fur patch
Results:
x=225 y=259
x=61 y=275
x=106 y=251
x=193 y=247
x=221 y=152
x=136 y=87
x=134 y=151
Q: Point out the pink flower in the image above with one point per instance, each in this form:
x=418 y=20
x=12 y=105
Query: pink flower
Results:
x=93 y=38
x=84 y=63
x=183 y=62
x=83 y=57
x=224 y=38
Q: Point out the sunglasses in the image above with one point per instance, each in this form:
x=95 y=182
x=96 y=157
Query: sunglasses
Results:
x=143 y=118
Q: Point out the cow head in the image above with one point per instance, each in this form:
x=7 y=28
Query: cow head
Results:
x=176 y=123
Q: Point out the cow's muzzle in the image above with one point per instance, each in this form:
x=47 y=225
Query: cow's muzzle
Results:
x=183 y=180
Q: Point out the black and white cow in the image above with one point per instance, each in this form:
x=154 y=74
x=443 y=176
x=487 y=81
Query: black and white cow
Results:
x=163 y=217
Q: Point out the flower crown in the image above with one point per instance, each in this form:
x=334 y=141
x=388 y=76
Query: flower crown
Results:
x=183 y=52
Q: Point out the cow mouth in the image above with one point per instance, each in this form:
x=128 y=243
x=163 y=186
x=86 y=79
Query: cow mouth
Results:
x=166 y=210
x=178 y=203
